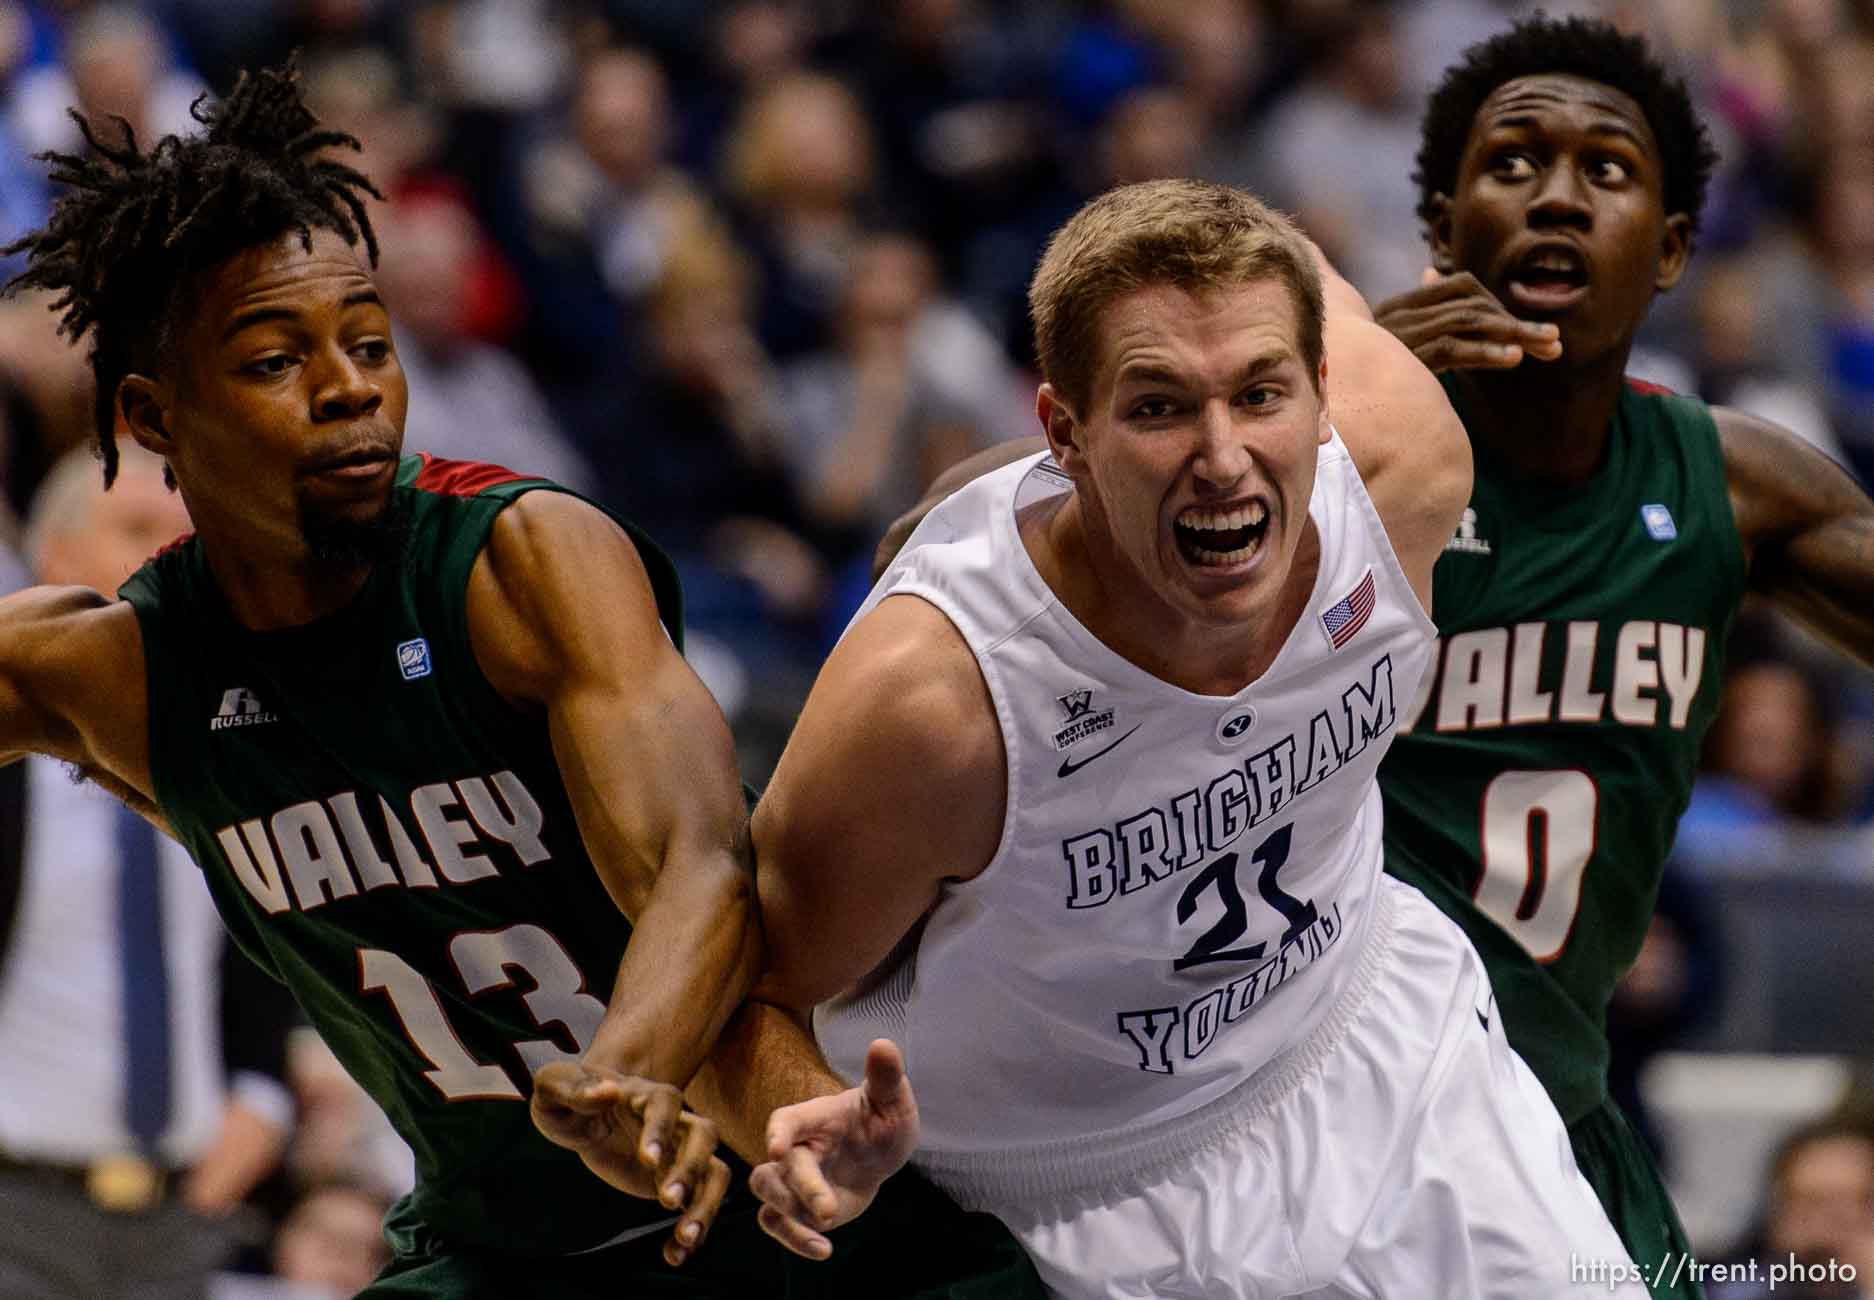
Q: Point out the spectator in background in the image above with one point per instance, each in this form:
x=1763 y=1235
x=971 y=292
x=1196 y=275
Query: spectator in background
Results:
x=358 y=91
x=912 y=385
x=469 y=400
x=124 y=1146
x=1733 y=368
x=799 y=170
x=601 y=205
x=332 y=1243
x=24 y=197
x=1820 y=1211
x=1333 y=151
x=1770 y=760
x=694 y=451
x=116 y=64
x=753 y=43
x=45 y=398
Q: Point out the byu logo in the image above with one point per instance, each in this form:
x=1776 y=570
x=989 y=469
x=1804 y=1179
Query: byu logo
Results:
x=1232 y=727
x=1077 y=703
x=1658 y=521
x=413 y=658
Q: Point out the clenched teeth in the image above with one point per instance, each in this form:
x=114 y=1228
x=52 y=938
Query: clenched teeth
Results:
x=1252 y=515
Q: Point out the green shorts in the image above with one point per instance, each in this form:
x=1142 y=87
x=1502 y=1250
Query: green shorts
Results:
x=1618 y=1166
x=912 y=1244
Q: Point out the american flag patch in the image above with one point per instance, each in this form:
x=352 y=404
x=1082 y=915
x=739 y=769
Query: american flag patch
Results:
x=1346 y=617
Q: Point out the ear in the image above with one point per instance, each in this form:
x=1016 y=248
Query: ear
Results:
x=1061 y=430
x=1438 y=235
x=143 y=410
x=1675 y=250
x=1325 y=433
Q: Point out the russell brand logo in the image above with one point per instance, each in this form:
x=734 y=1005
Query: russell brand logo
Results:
x=240 y=707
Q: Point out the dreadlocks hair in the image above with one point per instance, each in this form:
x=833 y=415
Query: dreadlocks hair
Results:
x=134 y=230
x=1577 y=47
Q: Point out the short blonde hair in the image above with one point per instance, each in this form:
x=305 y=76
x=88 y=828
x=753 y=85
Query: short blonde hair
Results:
x=1193 y=235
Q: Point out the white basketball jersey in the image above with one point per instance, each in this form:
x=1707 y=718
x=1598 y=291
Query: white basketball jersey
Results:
x=1183 y=881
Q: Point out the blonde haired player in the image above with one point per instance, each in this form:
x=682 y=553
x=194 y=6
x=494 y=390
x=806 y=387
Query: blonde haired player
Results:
x=1082 y=813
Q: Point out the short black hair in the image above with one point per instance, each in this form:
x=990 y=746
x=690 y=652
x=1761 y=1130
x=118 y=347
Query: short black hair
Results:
x=133 y=231
x=1577 y=47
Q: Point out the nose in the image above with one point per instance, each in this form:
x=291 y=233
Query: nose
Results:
x=1561 y=199
x=344 y=390
x=1222 y=456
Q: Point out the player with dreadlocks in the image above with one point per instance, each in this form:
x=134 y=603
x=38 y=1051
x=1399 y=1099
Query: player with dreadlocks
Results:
x=424 y=725
x=423 y=771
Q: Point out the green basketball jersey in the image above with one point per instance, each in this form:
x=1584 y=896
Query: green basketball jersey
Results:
x=1534 y=798
x=391 y=838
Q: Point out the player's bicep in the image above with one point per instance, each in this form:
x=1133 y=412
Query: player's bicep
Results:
x=1807 y=529
x=564 y=619
x=892 y=782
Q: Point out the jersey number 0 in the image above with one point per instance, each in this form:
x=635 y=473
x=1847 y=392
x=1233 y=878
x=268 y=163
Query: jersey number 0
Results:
x=1538 y=832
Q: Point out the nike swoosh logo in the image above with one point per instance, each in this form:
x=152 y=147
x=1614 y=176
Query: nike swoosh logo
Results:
x=1069 y=767
x=1483 y=1019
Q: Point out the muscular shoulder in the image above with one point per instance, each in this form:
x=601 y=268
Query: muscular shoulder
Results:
x=1406 y=440
x=900 y=728
x=556 y=585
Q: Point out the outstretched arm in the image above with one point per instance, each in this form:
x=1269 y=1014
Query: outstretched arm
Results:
x=892 y=783
x=1807 y=530
x=563 y=620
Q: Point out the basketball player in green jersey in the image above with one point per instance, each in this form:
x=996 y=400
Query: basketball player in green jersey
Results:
x=1584 y=604
x=425 y=727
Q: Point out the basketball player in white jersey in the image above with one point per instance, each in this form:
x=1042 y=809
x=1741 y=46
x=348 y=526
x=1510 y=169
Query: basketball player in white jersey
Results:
x=1081 y=813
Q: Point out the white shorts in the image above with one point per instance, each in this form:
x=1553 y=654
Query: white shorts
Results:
x=1402 y=1151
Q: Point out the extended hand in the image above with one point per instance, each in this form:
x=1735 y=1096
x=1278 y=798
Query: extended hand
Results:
x=828 y=1156
x=1451 y=322
x=635 y=1134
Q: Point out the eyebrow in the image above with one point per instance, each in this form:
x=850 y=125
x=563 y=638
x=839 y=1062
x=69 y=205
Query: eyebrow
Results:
x=1153 y=373
x=266 y=315
x=1527 y=122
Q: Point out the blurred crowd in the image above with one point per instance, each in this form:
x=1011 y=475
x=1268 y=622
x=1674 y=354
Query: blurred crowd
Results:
x=752 y=272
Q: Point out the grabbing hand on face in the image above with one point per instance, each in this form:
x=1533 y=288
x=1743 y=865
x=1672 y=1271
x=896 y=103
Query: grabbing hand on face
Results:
x=1452 y=322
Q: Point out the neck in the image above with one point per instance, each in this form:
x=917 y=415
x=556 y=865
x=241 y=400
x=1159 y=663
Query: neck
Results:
x=1544 y=421
x=265 y=595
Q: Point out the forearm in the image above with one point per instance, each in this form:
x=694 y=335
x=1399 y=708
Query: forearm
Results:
x=764 y=1059
x=693 y=955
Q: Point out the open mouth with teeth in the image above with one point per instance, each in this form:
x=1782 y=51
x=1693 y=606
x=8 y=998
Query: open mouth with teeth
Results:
x=1220 y=537
x=1548 y=280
